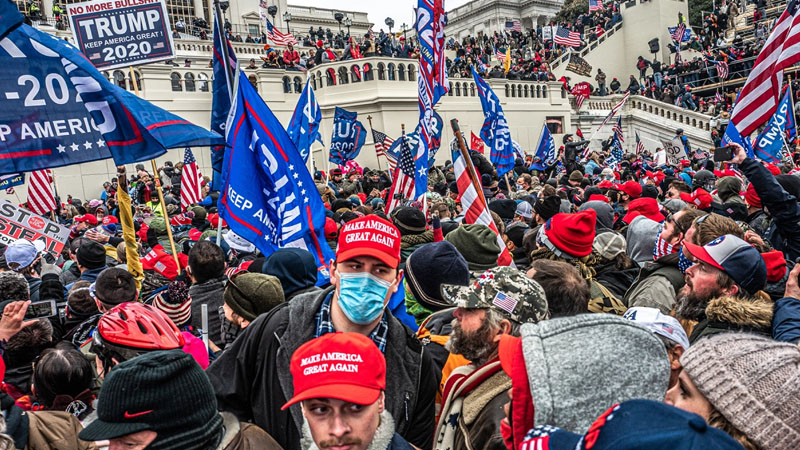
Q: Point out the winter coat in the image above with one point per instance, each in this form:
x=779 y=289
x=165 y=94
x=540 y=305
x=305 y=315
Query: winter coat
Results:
x=244 y=436
x=657 y=284
x=784 y=234
x=41 y=430
x=786 y=320
x=252 y=379
x=758 y=222
x=209 y=293
x=350 y=188
x=616 y=281
x=734 y=314
x=473 y=408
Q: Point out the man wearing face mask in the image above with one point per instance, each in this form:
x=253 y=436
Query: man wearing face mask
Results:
x=661 y=279
x=252 y=378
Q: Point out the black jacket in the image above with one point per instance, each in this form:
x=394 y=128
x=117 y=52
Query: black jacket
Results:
x=252 y=378
x=784 y=234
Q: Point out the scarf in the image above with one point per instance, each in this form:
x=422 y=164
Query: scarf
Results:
x=662 y=247
x=683 y=262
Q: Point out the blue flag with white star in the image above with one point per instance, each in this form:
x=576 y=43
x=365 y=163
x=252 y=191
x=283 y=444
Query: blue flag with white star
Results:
x=59 y=110
x=268 y=196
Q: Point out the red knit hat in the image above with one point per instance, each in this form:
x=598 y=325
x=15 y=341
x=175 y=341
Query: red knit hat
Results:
x=776 y=265
x=572 y=233
x=752 y=197
x=699 y=198
x=331 y=230
x=644 y=206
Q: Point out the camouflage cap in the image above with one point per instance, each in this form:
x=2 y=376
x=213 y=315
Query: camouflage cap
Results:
x=506 y=290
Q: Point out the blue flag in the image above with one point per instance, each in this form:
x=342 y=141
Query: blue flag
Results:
x=687 y=33
x=437 y=124
x=770 y=142
x=11 y=180
x=268 y=196
x=545 y=150
x=348 y=137
x=59 y=110
x=222 y=92
x=495 y=130
x=303 y=129
x=732 y=135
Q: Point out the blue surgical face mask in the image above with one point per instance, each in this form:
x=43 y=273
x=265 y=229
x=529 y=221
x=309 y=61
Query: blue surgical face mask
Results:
x=361 y=296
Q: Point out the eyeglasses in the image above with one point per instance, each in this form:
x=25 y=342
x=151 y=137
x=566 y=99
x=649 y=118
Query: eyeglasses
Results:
x=700 y=221
x=671 y=219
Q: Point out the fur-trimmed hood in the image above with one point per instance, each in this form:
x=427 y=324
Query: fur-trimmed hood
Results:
x=736 y=314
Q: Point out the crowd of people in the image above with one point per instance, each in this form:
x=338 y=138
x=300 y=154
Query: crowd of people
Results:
x=673 y=282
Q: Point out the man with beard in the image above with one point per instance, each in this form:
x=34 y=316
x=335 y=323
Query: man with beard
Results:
x=497 y=303
x=723 y=289
x=660 y=279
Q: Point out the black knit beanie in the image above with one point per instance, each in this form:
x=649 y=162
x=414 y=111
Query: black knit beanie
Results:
x=432 y=265
x=409 y=220
x=91 y=255
x=547 y=207
x=164 y=391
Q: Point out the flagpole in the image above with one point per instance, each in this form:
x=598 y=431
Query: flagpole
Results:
x=223 y=43
x=465 y=154
x=794 y=116
x=55 y=191
x=369 y=119
x=234 y=90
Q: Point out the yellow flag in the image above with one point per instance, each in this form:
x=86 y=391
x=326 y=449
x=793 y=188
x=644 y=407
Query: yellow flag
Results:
x=129 y=234
x=507 y=62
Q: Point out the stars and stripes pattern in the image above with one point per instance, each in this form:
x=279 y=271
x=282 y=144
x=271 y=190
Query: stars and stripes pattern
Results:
x=677 y=35
x=639 y=145
x=616 y=108
x=475 y=209
x=617 y=129
x=501 y=56
x=760 y=95
x=382 y=144
x=277 y=36
x=40 y=192
x=403 y=185
x=190 y=181
x=722 y=69
x=718 y=97
x=514 y=25
x=595 y=5
x=569 y=38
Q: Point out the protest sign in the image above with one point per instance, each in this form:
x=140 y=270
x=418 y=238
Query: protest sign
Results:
x=18 y=223
x=121 y=33
x=547 y=33
x=674 y=150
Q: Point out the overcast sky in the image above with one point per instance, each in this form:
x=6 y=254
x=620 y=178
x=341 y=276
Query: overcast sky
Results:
x=378 y=10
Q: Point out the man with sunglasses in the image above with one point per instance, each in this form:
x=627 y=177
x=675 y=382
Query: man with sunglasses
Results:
x=252 y=378
x=660 y=279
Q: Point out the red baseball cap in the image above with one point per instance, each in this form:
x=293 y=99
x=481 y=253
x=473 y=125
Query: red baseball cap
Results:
x=605 y=184
x=369 y=236
x=632 y=188
x=344 y=366
x=644 y=206
x=88 y=218
x=700 y=198
x=110 y=219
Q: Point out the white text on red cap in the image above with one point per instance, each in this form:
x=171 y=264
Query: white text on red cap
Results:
x=332 y=367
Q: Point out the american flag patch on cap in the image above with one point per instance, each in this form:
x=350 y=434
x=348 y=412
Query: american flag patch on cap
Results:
x=505 y=302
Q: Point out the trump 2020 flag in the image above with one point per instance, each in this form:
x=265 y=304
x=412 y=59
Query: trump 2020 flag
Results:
x=303 y=129
x=268 y=195
x=545 y=150
x=770 y=142
x=222 y=92
x=495 y=130
x=348 y=137
x=59 y=110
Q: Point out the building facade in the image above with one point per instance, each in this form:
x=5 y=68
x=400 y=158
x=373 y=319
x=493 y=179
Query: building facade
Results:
x=488 y=16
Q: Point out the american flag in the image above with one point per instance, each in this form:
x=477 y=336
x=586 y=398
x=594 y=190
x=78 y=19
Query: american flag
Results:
x=190 y=181
x=677 y=35
x=616 y=108
x=475 y=209
x=505 y=302
x=501 y=56
x=678 y=59
x=760 y=95
x=382 y=143
x=513 y=25
x=277 y=37
x=639 y=145
x=617 y=129
x=599 y=31
x=595 y=5
x=718 y=97
x=568 y=38
x=40 y=192
x=403 y=184
x=722 y=68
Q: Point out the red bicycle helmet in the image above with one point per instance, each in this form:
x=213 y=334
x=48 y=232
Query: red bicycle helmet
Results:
x=131 y=329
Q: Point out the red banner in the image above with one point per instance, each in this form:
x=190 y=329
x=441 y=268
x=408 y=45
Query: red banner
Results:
x=475 y=143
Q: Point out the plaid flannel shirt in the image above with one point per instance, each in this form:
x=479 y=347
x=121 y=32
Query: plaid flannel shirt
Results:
x=325 y=325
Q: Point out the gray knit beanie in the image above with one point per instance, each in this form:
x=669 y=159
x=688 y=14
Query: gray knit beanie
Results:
x=754 y=382
x=477 y=244
x=580 y=366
